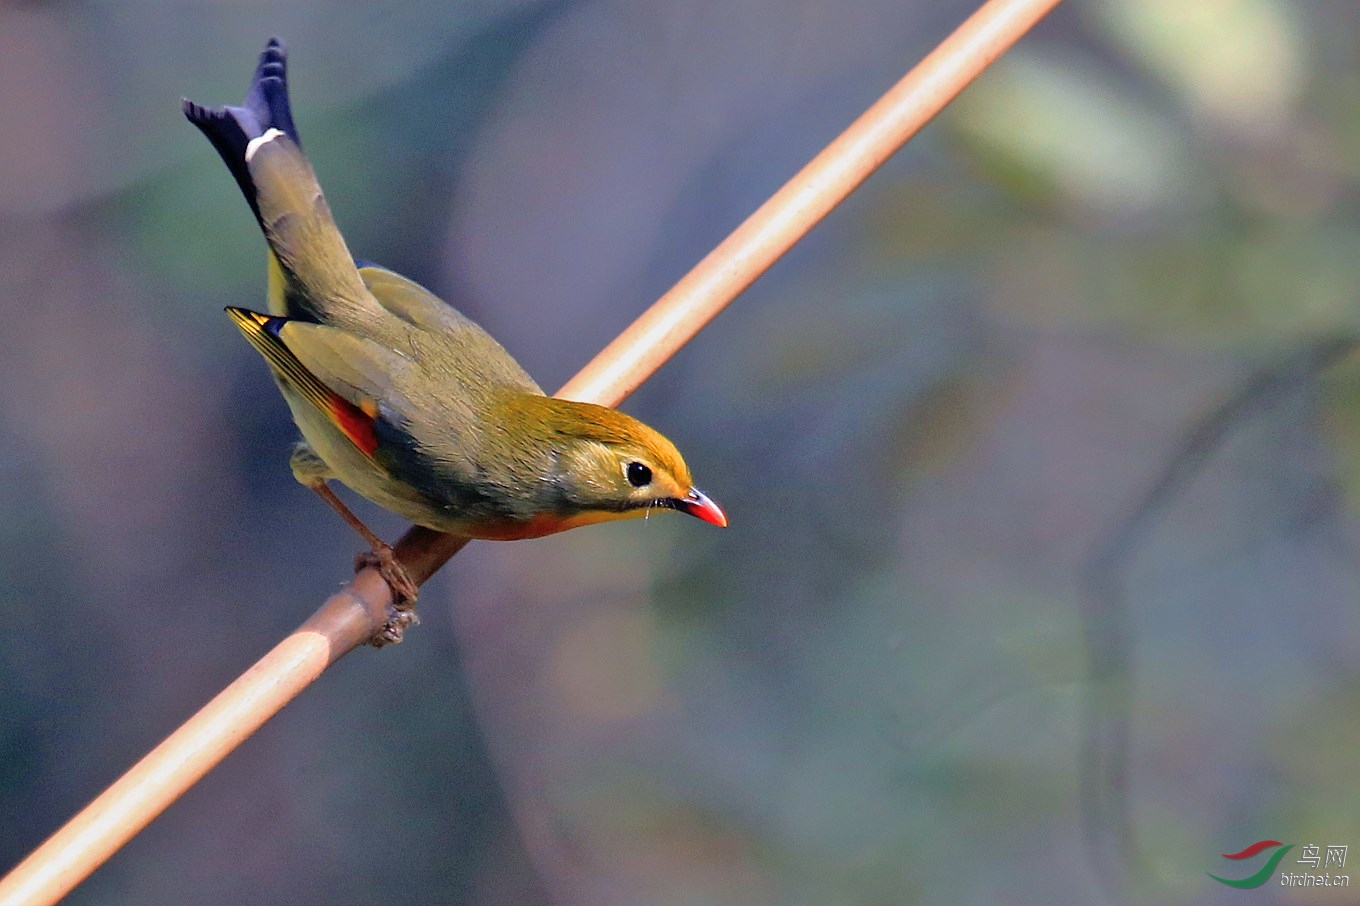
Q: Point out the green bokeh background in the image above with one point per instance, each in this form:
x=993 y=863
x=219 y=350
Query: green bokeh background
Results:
x=905 y=673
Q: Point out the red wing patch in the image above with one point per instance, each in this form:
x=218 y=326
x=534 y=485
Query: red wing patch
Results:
x=356 y=422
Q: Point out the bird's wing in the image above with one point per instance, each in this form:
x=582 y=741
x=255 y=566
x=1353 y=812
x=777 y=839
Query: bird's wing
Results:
x=457 y=336
x=410 y=301
x=345 y=377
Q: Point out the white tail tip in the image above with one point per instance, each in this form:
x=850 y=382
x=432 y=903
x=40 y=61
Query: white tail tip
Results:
x=254 y=144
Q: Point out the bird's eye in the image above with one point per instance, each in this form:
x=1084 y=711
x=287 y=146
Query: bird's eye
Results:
x=639 y=476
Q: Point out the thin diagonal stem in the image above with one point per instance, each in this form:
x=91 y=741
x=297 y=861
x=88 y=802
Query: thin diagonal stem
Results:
x=353 y=615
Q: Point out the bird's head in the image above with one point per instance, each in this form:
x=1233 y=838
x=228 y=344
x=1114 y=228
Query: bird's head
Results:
x=611 y=466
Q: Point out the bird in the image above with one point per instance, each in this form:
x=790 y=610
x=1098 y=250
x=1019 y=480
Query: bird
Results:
x=398 y=395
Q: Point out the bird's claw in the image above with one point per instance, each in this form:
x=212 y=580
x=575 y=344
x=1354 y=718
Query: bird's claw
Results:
x=384 y=560
x=404 y=592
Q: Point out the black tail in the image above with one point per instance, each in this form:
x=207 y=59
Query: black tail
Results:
x=230 y=129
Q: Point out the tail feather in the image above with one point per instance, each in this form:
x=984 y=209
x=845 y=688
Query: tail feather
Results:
x=312 y=275
x=231 y=128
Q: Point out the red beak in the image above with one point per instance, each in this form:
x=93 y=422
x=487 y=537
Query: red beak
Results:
x=698 y=504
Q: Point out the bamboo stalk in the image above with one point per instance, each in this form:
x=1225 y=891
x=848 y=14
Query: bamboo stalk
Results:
x=355 y=614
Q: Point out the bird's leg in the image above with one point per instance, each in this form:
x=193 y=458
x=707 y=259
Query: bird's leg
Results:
x=384 y=559
x=312 y=471
x=381 y=556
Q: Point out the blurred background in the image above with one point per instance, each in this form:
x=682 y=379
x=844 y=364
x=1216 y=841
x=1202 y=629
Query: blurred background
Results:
x=1042 y=457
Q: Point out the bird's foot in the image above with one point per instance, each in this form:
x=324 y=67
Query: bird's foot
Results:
x=384 y=560
x=404 y=592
